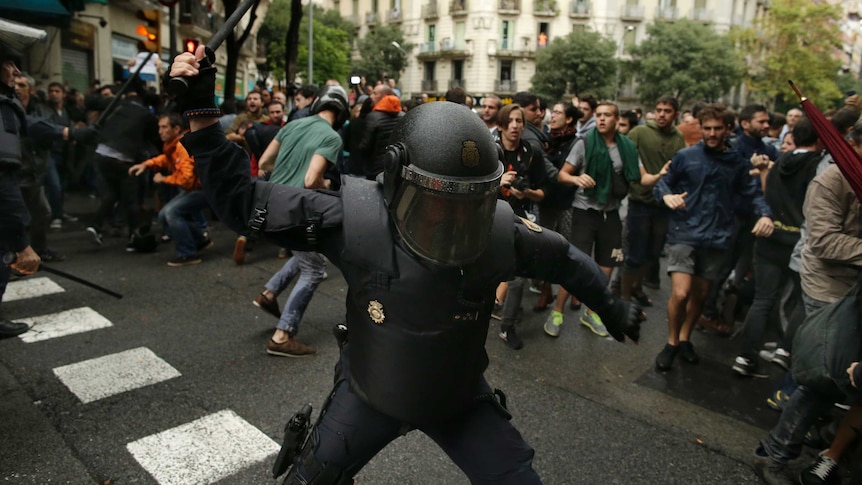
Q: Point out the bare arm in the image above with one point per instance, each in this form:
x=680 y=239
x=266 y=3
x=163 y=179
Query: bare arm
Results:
x=314 y=175
x=267 y=159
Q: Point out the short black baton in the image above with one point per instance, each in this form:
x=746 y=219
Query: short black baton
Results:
x=10 y=258
x=177 y=86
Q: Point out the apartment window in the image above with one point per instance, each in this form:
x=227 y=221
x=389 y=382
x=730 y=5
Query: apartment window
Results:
x=458 y=70
x=354 y=8
x=375 y=5
x=507 y=35
x=579 y=27
x=629 y=39
x=506 y=71
x=460 y=29
x=432 y=33
x=542 y=36
x=666 y=4
x=430 y=66
x=632 y=3
x=700 y=4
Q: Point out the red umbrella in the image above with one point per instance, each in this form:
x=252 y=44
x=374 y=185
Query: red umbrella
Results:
x=845 y=156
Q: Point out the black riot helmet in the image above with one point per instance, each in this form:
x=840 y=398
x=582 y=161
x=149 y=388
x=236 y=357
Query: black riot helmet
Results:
x=440 y=180
x=332 y=98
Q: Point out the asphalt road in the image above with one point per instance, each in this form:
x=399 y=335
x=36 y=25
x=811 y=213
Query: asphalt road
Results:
x=594 y=410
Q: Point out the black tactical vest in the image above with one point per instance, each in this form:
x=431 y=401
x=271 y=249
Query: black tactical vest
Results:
x=12 y=123
x=417 y=331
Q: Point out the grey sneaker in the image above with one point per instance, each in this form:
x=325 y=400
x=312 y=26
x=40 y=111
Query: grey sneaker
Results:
x=553 y=323
x=769 y=471
x=594 y=323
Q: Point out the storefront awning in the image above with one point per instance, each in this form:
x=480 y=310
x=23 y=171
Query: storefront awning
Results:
x=18 y=36
x=36 y=12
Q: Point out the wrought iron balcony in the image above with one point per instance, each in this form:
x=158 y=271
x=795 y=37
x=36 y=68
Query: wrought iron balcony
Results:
x=510 y=7
x=701 y=15
x=457 y=83
x=393 y=15
x=505 y=86
x=429 y=11
x=580 y=9
x=632 y=13
x=429 y=85
x=545 y=8
x=666 y=13
x=458 y=8
x=371 y=18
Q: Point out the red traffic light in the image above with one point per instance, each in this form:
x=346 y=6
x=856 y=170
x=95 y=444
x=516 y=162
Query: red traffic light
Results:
x=191 y=45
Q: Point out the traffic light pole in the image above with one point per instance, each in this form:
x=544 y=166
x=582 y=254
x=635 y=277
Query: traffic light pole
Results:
x=116 y=99
x=172 y=32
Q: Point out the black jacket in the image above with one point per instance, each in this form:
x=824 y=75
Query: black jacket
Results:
x=375 y=139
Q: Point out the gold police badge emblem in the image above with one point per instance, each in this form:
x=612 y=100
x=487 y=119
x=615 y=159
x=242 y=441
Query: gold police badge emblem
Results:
x=531 y=225
x=375 y=311
x=469 y=154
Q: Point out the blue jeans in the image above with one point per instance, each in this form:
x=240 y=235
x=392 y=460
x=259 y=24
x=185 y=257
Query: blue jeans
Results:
x=784 y=442
x=311 y=267
x=178 y=218
x=53 y=187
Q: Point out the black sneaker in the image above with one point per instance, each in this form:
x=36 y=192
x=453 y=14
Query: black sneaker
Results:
x=687 y=353
x=49 y=256
x=184 y=261
x=511 y=338
x=95 y=234
x=9 y=329
x=781 y=358
x=664 y=359
x=824 y=470
x=205 y=244
x=497 y=312
x=744 y=366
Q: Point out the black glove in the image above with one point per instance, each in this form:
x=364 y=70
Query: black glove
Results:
x=624 y=320
x=201 y=88
x=87 y=135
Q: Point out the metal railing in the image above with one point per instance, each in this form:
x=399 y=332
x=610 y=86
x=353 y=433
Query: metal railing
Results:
x=458 y=7
x=393 y=15
x=632 y=12
x=371 y=18
x=510 y=5
x=580 y=9
x=506 y=86
x=427 y=47
x=429 y=11
x=666 y=13
x=701 y=15
x=429 y=85
x=545 y=7
x=457 y=83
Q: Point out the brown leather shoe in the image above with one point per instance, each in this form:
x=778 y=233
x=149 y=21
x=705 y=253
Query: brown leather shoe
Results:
x=290 y=348
x=545 y=299
x=267 y=305
x=239 y=250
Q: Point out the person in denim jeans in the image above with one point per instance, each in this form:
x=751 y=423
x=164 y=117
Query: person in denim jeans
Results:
x=299 y=157
x=181 y=216
x=831 y=262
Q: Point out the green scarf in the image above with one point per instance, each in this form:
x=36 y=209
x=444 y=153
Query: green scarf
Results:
x=600 y=167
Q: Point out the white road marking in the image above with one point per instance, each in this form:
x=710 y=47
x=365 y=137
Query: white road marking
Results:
x=31 y=288
x=69 y=322
x=101 y=377
x=203 y=451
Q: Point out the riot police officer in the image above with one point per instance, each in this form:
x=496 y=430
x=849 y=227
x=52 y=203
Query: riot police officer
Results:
x=14 y=218
x=422 y=253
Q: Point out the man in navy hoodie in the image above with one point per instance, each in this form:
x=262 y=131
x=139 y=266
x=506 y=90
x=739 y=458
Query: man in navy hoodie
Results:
x=701 y=186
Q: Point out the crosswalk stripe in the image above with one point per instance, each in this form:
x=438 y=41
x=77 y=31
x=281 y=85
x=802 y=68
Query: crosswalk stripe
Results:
x=203 y=451
x=68 y=322
x=106 y=376
x=30 y=288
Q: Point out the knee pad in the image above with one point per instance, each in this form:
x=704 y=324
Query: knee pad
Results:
x=308 y=470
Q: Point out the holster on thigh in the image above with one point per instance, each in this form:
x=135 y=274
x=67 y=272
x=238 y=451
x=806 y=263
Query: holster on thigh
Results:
x=308 y=470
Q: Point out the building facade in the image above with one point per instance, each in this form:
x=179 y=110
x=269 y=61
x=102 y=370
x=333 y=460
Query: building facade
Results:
x=489 y=46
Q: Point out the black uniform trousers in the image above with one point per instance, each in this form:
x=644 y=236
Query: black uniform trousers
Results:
x=14 y=220
x=482 y=442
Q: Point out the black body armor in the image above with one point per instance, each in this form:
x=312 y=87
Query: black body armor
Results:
x=417 y=343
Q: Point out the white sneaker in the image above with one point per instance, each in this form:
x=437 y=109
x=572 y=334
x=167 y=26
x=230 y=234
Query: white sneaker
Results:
x=56 y=224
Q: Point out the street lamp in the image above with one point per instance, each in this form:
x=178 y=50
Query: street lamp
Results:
x=406 y=84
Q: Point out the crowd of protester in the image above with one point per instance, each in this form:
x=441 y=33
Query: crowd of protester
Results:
x=746 y=207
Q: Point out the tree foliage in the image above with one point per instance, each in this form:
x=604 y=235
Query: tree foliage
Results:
x=687 y=60
x=332 y=41
x=579 y=63
x=378 y=56
x=794 y=40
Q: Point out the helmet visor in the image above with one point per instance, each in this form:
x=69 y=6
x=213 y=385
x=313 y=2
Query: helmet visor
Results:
x=445 y=228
